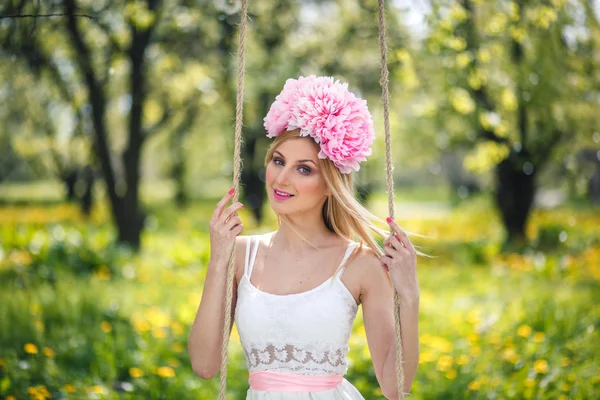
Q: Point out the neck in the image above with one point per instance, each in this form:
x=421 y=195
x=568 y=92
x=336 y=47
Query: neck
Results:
x=303 y=234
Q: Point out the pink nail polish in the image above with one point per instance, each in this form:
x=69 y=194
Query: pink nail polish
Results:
x=231 y=191
x=388 y=219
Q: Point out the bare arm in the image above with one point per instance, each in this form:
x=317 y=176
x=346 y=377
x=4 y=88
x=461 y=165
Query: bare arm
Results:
x=378 y=309
x=409 y=311
x=377 y=303
x=206 y=334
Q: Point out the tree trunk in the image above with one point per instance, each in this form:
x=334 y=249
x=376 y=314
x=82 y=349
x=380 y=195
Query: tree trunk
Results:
x=178 y=167
x=127 y=213
x=254 y=186
x=515 y=191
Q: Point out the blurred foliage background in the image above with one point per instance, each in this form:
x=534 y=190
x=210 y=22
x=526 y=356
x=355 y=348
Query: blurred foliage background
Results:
x=116 y=141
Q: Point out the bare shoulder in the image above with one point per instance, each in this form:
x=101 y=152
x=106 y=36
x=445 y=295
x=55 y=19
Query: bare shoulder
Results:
x=364 y=272
x=364 y=261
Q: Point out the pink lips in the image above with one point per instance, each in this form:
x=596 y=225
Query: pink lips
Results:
x=279 y=197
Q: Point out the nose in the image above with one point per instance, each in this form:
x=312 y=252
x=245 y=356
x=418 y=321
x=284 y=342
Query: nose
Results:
x=283 y=178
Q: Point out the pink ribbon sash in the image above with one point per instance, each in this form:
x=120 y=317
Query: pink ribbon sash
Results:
x=270 y=381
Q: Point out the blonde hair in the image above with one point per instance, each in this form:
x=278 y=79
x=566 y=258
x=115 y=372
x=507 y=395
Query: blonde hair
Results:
x=342 y=213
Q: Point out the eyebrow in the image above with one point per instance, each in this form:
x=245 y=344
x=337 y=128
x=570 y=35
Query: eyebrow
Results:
x=298 y=160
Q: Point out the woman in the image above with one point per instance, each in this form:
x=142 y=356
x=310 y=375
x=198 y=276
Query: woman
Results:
x=299 y=288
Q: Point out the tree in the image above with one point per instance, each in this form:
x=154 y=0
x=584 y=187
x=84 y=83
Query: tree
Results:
x=504 y=94
x=105 y=48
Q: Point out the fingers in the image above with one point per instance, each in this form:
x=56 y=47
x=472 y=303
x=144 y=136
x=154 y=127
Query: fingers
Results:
x=233 y=222
x=221 y=205
x=393 y=242
x=230 y=212
x=401 y=236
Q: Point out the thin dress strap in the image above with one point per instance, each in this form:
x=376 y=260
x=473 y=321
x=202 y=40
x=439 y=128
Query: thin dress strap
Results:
x=247 y=255
x=253 y=243
x=342 y=266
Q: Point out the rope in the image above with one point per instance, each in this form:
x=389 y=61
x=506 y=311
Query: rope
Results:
x=237 y=166
x=385 y=94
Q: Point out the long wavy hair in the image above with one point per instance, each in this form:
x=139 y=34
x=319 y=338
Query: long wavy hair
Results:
x=342 y=212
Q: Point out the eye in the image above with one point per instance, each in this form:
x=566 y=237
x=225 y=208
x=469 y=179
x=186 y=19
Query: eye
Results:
x=277 y=161
x=304 y=170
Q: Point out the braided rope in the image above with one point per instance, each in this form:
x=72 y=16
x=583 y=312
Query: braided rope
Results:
x=237 y=166
x=385 y=95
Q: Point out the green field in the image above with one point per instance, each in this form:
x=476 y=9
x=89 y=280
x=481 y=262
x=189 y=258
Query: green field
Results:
x=81 y=318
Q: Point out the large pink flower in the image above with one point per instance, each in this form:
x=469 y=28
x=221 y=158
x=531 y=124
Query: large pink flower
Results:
x=325 y=110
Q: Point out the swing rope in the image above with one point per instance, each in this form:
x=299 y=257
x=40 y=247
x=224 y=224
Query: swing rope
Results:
x=385 y=95
x=237 y=164
x=237 y=168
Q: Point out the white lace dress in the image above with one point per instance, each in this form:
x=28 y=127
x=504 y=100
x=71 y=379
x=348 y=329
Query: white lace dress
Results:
x=305 y=333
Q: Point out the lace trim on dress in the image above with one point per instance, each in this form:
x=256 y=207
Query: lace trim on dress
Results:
x=287 y=357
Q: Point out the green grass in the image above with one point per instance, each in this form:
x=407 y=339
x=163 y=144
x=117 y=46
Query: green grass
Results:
x=82 y=318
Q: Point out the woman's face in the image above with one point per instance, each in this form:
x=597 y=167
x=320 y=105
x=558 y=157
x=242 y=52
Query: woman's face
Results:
x=294 y=180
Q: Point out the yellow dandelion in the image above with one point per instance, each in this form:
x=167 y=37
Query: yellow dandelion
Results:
x=565 y=362
x=141 y=325
x=462 y=359
x=165 y=372
x=474 y=385
x=136 y=372
x=178 y=328
x=444 y=363
x=159 y=333
x=451 y=374
x=509 y=354
x=106 y=326
x=529 y=382
x=11 y=398
x=102 y=272
x=524 y=331
x=495 y=339
x=69 y=388
x=39 y=392
x=39 y=325
x=173 y=362
x=426 y=356
x=177 y=347
x=31 y=348
x=539 y=337
x=541 y=366
x=48 y=352
x=97 y=389
x=564 y=386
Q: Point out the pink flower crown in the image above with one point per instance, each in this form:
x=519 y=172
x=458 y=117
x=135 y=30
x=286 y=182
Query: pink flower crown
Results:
x=335 y=118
